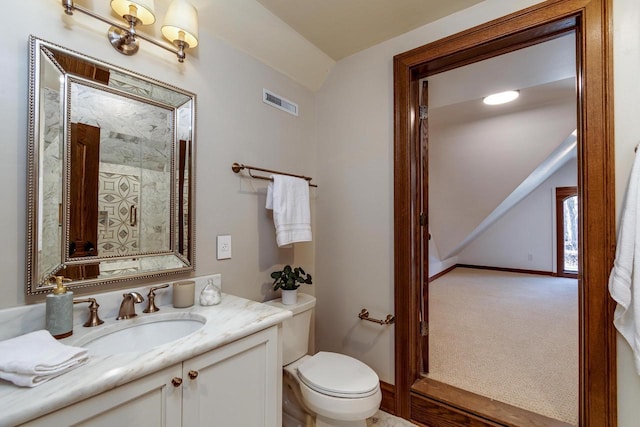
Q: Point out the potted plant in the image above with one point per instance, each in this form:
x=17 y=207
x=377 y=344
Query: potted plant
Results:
x=289 y=280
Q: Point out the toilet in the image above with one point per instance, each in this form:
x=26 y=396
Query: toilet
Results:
x=326 y=389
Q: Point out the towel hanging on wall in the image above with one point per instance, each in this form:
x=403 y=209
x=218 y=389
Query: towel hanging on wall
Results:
x=624 y=281
x=288 y=197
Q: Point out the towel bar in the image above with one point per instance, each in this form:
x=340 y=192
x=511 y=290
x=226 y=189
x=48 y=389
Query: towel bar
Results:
x=364 y=315
x=237 y=167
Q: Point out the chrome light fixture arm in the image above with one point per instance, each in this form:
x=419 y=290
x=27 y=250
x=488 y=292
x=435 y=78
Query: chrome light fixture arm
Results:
x=123 y=38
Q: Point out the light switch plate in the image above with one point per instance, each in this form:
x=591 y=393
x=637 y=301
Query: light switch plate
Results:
x=224 y=247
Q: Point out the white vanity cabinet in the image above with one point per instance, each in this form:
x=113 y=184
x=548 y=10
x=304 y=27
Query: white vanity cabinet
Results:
x=238 y=384
x=148 y=401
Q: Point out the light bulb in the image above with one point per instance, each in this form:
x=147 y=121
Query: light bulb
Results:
x=501 y=98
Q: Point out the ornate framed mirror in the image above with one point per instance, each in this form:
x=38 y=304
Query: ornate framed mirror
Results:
x=110 y=174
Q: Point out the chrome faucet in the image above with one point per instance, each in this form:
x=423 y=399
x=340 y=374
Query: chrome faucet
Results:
x=127 y=308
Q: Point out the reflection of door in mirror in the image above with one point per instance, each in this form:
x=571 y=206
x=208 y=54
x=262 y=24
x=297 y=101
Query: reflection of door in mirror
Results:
x=81 y=67
x=184 y=223
x=83 y=222
x=85 y=156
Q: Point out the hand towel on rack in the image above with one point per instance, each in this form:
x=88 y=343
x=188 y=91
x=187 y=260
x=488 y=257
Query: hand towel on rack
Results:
x=34 y=358
x=624 y=281
x=289 y=198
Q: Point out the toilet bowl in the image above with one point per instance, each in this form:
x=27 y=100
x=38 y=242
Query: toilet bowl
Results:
x=336 y=389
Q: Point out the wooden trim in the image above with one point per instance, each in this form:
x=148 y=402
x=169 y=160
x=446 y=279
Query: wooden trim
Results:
x=497 y=46
x=423 y=143
x=430 y=395
x=510 y=270
x=440 y=414
x=388 y=397
x=442 y=273
x=592 y=20
x=406 y=240
x=525 y=28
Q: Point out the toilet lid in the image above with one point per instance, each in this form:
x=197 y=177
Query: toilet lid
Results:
x=338 y=375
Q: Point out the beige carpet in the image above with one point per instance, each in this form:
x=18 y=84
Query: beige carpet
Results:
x=508 y=336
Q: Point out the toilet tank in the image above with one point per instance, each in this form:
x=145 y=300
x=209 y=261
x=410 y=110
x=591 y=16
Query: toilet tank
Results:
x=295 y=330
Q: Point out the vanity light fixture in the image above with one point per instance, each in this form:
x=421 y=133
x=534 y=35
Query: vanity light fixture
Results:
x=501 y=98
x=180 y=27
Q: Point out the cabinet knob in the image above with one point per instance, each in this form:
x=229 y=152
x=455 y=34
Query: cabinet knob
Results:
x=176 y=381
x=193 y=374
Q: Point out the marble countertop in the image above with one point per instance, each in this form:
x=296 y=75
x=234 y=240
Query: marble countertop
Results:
x=232 y=319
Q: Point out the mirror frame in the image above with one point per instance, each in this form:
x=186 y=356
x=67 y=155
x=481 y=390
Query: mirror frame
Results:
x=38 y=282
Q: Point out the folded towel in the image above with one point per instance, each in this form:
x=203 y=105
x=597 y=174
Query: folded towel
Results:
x=31 y=359
x=32 y=380
x=624 y=281
x=289 y=198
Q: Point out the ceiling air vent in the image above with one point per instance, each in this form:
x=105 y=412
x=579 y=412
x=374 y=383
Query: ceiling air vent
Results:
x=279 y=102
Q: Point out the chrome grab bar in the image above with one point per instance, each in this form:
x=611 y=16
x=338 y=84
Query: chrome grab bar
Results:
x=364 y=315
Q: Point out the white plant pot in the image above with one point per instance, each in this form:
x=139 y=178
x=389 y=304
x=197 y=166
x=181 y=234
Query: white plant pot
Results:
x=289 y=297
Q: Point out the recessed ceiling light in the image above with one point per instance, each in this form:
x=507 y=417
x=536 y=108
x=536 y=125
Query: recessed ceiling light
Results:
x=501 y=98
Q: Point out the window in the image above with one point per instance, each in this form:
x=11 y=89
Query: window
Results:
x=567 y=231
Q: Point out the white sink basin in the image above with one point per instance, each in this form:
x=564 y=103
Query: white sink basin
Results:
x=140 y=333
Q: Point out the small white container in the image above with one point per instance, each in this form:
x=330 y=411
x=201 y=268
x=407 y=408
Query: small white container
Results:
x=289 y=297
x=211 y=294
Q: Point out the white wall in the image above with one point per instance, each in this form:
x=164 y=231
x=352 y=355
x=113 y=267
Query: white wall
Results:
x=475 y=165
x=626 y=60
x=528 y=228
x=233 y=125
x=252 y=28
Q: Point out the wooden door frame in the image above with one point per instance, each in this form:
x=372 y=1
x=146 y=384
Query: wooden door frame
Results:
x=592 y=21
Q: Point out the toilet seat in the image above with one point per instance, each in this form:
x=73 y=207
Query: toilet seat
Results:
x=338 y=375
x=354 y=409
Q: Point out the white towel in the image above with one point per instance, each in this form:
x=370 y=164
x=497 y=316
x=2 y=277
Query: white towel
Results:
x=34 y=358
x=624 y=281
x=289 y=199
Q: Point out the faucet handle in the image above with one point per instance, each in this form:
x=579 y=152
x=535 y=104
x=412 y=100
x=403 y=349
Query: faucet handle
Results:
x=94 y=319
x=151 y=306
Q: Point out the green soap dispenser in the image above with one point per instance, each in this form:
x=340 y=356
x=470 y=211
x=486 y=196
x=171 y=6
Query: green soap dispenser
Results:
x=59 y=310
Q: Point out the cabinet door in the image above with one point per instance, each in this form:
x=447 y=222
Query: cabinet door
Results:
x=150 y=401
x=238 y=385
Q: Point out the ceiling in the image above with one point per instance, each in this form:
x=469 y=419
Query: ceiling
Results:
x=543 y=73
x=343 y=27
x=304 y=39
